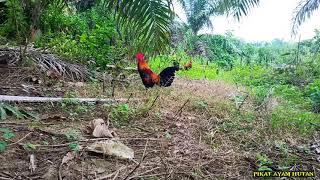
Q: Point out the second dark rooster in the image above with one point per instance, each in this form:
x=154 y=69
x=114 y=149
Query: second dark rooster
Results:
x=149 y=78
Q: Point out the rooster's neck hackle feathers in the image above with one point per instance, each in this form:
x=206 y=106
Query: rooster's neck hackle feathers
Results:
x=149 y=78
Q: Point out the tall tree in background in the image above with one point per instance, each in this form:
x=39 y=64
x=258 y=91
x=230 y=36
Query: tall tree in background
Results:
x=203 y=9
x=199 y=11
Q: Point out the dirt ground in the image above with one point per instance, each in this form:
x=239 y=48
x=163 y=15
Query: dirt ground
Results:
x=192 y=130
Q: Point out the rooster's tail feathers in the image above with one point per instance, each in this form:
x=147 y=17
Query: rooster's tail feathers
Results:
x=167 y=76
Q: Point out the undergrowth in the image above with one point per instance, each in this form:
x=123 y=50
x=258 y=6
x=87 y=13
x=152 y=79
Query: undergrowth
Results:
x=297 y=100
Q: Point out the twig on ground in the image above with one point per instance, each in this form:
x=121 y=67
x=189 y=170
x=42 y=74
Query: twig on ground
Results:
x=4 y=178
x=115 y=173
x=146 y=172
x=142 y=129
x=51 y=133
x=153 y=102
x=17 y=142
x=130 y=96
x=242 y=103
x=180 y=110
x=151 y=175
x=142 y=158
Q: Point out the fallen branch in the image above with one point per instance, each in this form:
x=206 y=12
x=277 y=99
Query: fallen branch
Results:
x=5 y=98
x=122 y=68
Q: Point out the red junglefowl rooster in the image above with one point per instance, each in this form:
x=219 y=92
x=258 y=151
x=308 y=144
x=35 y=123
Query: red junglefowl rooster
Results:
x=188 y=65
x=149 y=78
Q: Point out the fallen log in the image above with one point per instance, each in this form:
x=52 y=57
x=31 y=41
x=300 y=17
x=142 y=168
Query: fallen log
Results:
x=5 y=98
x=122 y=68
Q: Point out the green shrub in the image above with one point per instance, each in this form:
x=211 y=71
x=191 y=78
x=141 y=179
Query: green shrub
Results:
x=87 y=37
x=286 y=118
x=120 y=114
x=54 y=19
x=313 y=92
x=15 y=25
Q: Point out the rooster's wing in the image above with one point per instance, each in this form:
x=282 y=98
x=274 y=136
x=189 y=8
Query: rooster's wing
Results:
x=146 y=79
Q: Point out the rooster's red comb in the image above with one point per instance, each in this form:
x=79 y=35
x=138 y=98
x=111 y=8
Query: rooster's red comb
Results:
x=140 y=56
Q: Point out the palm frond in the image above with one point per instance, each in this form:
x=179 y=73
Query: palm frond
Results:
x=303 y=11
x=18 y=113
x=237 y=8
x=14 y=110
x=51 y=62
x=146 y=22
x=3 y=114
x=46 y=61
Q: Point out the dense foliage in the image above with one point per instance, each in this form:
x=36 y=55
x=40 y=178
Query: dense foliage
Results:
x=289 y=71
